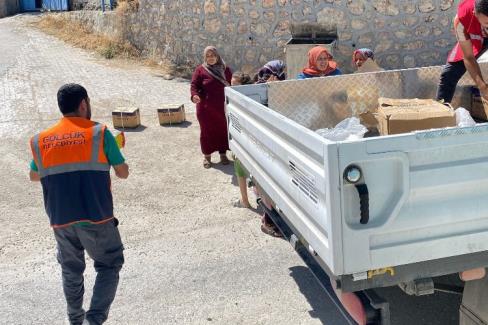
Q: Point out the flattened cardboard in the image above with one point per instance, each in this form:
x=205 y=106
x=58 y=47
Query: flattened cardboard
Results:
x=397 y=116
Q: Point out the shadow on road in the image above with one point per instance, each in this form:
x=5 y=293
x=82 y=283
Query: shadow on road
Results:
x=437 y=309
x=226 y=169
x=182 y=125
x=322 y=308
x=140 y=128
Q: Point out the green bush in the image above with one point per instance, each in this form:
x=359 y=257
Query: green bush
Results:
x=109 y=51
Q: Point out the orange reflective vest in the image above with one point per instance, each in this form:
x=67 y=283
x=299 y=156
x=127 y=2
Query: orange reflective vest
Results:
x=74 y=171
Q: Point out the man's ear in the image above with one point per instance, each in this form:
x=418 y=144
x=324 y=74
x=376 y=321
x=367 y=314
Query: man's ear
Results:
x=82 y=108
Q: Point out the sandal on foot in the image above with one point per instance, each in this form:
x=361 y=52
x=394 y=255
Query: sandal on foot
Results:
x=206 y=163
x=270 y=230
x=238 y=204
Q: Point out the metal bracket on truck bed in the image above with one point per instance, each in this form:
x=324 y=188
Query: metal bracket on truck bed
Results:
x=377 y=310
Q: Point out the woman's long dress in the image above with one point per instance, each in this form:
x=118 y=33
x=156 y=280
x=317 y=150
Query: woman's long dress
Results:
x=211 y=110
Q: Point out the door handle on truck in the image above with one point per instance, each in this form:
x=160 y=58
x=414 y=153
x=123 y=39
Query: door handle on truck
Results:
x=363 y=202
x=353 y=174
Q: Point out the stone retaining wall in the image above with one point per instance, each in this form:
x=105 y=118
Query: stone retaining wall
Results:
x=89 y=4
x=249 y=33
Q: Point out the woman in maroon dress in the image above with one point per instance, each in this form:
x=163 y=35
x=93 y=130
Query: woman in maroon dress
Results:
x=207 y=91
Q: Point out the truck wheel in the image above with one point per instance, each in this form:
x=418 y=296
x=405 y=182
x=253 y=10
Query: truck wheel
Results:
x=352 y=304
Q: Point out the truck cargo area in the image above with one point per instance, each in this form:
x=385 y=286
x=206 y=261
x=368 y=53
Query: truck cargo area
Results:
x=406 y=210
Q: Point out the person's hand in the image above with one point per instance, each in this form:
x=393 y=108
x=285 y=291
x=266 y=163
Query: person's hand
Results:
x=196 y=99
x=483 y=91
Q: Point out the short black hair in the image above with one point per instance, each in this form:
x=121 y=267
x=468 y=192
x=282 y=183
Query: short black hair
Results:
x=243 y=78
x=70 y=96
x=481 y=7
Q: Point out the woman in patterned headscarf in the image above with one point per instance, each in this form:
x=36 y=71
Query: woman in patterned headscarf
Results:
x=360 y=56
x=207 y=92
x=272 y=71
x=320 y=64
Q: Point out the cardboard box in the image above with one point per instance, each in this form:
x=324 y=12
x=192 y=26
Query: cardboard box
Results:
x=126 y=117
x=369 y=66
x=479 y=106
x=172 y=114
x=406 y=115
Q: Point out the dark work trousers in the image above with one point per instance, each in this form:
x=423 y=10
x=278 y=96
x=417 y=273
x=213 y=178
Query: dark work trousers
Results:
x=450 y=75
x=103 y=244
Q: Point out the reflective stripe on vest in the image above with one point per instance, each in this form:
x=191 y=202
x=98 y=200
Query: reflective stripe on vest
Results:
x=476 y=37
x=93 y=164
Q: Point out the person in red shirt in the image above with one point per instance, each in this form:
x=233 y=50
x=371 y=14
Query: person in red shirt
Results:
x=471 y=30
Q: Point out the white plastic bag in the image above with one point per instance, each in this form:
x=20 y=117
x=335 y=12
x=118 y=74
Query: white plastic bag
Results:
x=348 y=129
x=463 y=118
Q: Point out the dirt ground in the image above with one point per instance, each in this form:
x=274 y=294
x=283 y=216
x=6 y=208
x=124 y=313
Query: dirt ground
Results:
x=191 y=258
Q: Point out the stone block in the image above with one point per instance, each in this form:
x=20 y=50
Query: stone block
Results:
x=386 y=7
x=356 y=7
x=268 y=3
x=212 y=25
x=254 y=14
x=446 y=4
x=331 y=15
x=366 y=39
x=209 y=7
x=426 y=6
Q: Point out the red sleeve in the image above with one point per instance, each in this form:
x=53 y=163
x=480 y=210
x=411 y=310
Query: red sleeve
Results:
x=196 y=82
x=465 y=13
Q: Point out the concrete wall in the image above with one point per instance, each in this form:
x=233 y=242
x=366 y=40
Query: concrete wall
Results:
x=9 y=7
x=251 y=32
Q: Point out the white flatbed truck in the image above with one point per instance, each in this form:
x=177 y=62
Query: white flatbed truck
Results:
x=403 y=210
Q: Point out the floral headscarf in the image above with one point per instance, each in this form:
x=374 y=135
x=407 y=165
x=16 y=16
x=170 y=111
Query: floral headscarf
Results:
x=365 y=53
x=272 y=68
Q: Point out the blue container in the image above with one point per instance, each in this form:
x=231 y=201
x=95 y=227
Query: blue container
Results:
x=28 y=5
x=55 y=5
